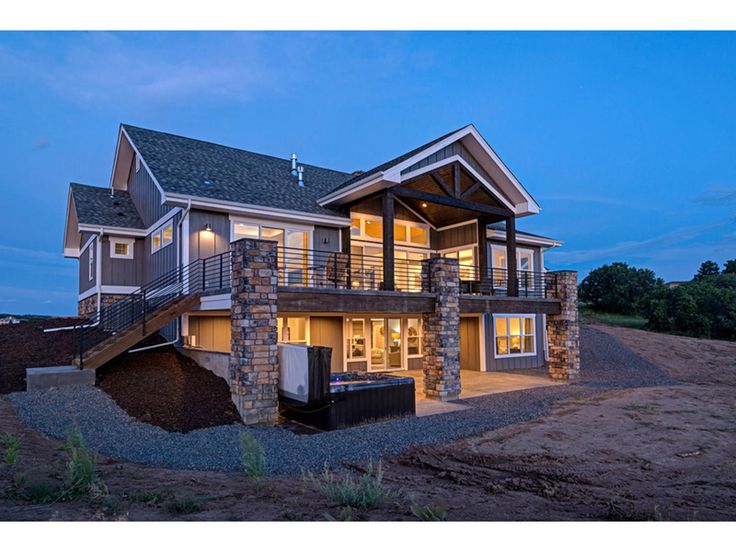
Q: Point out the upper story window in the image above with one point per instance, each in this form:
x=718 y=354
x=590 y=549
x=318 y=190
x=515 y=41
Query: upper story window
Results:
x=370 y=228
x=162 y=237
x=91 y=263
x=466 y=259
x=524 y=258
x=121 y=248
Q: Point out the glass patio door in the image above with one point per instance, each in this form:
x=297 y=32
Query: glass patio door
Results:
x=385 y=344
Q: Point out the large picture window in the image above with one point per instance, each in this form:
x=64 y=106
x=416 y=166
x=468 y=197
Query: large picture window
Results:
x=370 y=228
x=292 y=330
x=514 y=335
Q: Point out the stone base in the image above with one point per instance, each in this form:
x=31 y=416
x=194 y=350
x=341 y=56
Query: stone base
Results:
x=256 y=411
x=88 y=306
x=57 y=376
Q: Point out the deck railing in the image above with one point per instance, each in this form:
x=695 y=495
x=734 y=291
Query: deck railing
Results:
x=495 y=282
x=321 y=269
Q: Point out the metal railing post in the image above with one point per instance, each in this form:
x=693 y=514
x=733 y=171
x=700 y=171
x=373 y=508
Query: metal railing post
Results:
x=334 y=270
x=81 y=347
x=526 y=284
x=144 y=311
x=221 y=262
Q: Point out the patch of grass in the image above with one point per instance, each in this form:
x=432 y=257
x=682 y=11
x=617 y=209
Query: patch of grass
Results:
x=365 y=491
x=11 y=444
x=432 y=512
x=152 y=498
x=590 y=316
x=41 y=492
x=252 y=457
x=346 y=514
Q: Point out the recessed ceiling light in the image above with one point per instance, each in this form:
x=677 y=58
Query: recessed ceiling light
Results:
x=424 y=205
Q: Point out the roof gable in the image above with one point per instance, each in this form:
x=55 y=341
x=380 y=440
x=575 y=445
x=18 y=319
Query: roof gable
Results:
x=102 y=207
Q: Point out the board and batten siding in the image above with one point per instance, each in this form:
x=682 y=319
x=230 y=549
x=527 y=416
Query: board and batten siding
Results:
x=207 y=244
x=122 y=272
x=329 y=235
x=467 y=234
x=85 y=282
x=145 y=195
x=164 y=260
x=514 y=363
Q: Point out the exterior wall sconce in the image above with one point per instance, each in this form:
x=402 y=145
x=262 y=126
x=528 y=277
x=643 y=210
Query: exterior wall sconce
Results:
x=207 y=228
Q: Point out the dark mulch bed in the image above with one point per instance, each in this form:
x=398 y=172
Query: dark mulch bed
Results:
x=165 y=388
x=25 y=345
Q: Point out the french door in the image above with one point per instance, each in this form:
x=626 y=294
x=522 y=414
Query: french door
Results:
x=385 y=344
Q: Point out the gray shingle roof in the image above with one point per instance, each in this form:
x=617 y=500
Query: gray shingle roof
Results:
x=203 y=169
x=96 y=206
x=388 y=164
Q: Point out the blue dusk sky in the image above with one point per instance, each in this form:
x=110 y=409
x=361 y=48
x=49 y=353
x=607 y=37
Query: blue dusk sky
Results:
x=626 y=140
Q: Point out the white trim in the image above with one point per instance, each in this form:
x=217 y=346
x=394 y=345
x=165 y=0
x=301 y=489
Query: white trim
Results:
x=130 y=242
x=160 y=230
x=92 y=262
x=143 y=161
x=98 y=275
x=119 y=290
x=522 y=238
x=137 y=232
x=71 y=253
x=89 y=293
x=502 y=248
x=87 y=243
x=514 y=315
x=234 y=208
x=483 y=363
x=214 y=302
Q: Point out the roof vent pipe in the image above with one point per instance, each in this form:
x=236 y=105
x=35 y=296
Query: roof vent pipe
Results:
x=300 y=172
x=293 y=164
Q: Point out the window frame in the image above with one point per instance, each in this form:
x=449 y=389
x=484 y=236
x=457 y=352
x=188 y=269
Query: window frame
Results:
x=91 y=260
x=159 y=232
x=129 y=242
x=408 y=225
x=350 y=339
x=521 y=317
x=419 y=336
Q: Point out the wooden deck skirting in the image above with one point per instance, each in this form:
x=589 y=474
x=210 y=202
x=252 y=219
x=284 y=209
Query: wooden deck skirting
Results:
x=477 y=304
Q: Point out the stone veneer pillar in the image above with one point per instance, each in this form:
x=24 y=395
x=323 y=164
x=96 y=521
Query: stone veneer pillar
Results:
x=441 y=362
x=254 y=361
x=563 y=330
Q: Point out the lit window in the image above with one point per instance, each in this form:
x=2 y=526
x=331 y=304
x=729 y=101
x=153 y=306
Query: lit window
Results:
x=121 y=248
x=168 y=234
x=162 y=237
x=414 y=336
x=400 y=232
x=514 y=335
x=356 y=338
x=245 y=231
x=355 y=227
x=156 y=241
x=374 y=229
x=292 y=330
x=418 y=235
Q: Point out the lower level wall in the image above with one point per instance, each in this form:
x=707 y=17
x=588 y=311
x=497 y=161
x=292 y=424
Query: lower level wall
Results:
x=519 y=362
x=217 y=363
x=88 y=306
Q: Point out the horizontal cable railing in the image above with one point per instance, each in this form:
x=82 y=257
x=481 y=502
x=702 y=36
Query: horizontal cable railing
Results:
x=203 y=275
x=495 y=282
x=322 y=269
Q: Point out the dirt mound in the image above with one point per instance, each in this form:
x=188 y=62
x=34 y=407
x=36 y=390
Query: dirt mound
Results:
x=165 y=388
x=25 y=345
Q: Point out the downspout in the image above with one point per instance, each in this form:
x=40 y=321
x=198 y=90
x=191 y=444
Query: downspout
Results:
x=173 y=342
x=179 y=263
x=98 y=270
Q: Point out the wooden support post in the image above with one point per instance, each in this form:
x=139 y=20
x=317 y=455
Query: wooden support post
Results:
x=345 y=248
x=511 y=262
x=483 y=265
x=456 y=179
x=388 y=241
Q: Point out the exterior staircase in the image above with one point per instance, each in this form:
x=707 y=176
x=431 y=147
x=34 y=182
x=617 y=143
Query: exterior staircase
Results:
x=121 y=325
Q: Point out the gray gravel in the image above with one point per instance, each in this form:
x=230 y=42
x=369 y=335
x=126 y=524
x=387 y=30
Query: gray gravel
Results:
x=606 y=363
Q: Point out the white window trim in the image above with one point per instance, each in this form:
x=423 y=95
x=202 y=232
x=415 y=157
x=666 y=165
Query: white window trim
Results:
x=496 y=246
x=405 y=323
x=260 y=223
x=348 y=333
x=514 y=355
x=160 y=231
x=91 y=262
x=373 y=218
x=127 y=241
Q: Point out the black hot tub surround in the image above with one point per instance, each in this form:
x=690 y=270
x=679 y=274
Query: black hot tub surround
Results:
x=356 y=398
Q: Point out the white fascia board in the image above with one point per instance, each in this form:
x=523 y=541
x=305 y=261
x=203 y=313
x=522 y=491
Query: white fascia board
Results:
x=532 y=205
x=471 y=170
x=115 y=158
x=259 y=211
x=119 y=290
x=394 y=174
x=71 y=253
x=89 y=293
x=521 y=238
x=113 y=230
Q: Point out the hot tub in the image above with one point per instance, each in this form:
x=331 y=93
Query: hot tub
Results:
x=357 y=398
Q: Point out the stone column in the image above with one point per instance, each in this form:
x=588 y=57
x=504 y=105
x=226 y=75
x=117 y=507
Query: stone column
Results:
x=563 y=330
x=441 y=362
x=254 y=361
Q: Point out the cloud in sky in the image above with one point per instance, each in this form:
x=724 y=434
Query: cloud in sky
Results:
x=716 y=195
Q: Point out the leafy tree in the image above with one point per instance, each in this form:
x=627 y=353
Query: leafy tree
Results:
x=708 y=268
x=618 y=287
x=705 y=307
x=729 y=267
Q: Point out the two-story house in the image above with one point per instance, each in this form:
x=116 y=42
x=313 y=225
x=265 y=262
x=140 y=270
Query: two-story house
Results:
x=353 y=253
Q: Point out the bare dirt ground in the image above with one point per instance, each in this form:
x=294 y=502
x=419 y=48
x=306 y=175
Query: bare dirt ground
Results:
x=648 y=453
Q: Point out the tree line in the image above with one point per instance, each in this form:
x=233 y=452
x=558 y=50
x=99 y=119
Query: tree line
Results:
x=705 y=306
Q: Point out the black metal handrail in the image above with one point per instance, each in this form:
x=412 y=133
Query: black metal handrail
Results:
x=335 y=269
x=203 y=275
x=495 y=282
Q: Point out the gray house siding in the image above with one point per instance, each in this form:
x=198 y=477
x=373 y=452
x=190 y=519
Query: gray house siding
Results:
x=162 y=261
x=514 y=363
x=456 y=237
x=324 y=234
x=85 y=283
x=145 y=195
x=202 y=244
x=123 y=272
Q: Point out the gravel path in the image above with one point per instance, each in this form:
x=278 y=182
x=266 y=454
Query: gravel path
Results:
x=606 y=363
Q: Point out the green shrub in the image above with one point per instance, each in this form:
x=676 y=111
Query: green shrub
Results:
x=183 y=506
x=11 y=443
x=41 y=492
x=434 y=512
x=80 y=468
x=252 y=457
x=147 y=497
x=364 y=492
